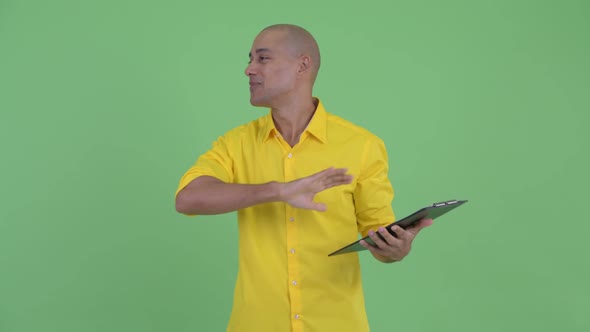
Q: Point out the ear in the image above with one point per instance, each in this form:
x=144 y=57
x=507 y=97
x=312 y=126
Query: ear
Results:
x=304 y=64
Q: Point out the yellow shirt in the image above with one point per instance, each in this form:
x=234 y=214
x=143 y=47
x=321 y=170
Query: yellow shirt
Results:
x=286 y=281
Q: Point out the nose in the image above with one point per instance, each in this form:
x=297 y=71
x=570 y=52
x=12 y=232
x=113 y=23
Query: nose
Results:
x=250 y=69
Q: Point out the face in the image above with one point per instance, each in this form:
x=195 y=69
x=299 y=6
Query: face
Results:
x=272 y=69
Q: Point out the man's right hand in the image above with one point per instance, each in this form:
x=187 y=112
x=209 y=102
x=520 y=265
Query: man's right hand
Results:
x=301 y=192
x=208 y=195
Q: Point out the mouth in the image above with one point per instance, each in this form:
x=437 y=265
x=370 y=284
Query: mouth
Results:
x=253 y=85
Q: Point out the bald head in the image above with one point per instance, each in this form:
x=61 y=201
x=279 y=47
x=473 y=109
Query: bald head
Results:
x=284 y=63
x=300 y=42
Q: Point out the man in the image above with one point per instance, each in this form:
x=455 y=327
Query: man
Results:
x=304 y=183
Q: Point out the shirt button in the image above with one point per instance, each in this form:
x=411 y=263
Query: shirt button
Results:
x=294 y=283
x=297 y=316
x=291 y=219
x=290 y=155
x=292 y=250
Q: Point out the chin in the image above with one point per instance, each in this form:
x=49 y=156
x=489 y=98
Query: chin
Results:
x=258 y=102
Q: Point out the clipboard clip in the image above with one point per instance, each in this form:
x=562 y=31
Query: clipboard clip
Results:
x=454 y=201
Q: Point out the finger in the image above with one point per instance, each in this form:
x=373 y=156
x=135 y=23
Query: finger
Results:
x=337 y=180
x=372 y=248
x=323 y=184
x=377 y=240
x=390 y=239
x=318 y=207
x=321 y=174
x=400 y=233
x=334 y=174
x=417 y=227
x=342 y=170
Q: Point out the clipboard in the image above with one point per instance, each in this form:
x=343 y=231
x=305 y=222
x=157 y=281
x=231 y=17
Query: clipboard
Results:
x=431 y=212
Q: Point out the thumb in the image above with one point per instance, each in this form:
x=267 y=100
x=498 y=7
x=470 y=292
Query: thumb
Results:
x=423 y=223
x=319 y=207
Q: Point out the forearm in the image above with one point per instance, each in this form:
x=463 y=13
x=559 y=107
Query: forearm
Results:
x=208 y=195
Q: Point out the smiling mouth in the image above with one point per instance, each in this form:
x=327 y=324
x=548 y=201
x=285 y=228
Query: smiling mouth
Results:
x=253 y=85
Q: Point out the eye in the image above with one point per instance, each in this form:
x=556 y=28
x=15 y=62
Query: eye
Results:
x=260 y=59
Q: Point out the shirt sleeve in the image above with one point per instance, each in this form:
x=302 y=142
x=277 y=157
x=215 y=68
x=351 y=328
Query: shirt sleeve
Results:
x=217 y=162
x=373 y=193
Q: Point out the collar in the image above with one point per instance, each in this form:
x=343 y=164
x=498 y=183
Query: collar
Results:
x=316 y=126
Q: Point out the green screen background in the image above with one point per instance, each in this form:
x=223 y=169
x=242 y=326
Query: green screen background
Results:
x=105 y=104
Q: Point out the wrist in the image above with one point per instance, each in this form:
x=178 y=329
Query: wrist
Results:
x=275 y=190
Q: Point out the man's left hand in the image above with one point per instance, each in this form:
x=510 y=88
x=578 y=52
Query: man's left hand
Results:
x=392 y=249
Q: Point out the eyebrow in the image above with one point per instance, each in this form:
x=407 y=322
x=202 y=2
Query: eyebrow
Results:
x=260 y=50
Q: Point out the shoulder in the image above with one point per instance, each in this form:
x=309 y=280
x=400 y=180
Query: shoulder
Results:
x=341 y=128
x=247 y=130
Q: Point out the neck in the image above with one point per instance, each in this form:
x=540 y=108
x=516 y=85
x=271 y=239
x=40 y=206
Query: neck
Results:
x=292 y=119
